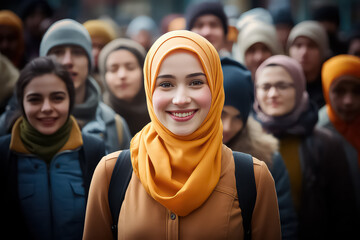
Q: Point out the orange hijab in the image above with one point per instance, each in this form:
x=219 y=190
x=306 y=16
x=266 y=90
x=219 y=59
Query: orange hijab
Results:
x=332 y=69
x=180 y=172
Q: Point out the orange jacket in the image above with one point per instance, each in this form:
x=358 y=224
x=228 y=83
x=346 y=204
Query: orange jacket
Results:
x=141 y=217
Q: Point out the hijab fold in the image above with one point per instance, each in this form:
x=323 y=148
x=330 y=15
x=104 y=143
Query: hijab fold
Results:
x=180 y=172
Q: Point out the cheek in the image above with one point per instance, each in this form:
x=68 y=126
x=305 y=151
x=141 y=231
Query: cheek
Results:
x=137 y=81
x=160 y=101
x=29 y=110
x=203 y=98
x=110 y=80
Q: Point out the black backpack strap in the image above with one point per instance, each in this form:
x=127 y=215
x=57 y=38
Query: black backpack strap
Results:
x=91 y=152
x=246 y=188
x=119 y=182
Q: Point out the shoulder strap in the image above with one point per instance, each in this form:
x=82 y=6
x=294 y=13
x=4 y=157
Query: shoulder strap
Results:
x=91 y=152
x=246 y=188
x=119 y=127
x=119 y=182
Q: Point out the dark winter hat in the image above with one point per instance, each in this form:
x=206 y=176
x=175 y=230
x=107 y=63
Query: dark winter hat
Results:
x=67 y=32
x=238 y=87
x=282 y=16
x=205 y=8
x=327 y=13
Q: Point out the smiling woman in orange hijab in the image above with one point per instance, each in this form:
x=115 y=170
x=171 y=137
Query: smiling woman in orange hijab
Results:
x=184 y=182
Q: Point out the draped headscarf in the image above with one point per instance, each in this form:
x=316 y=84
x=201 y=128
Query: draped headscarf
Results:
x=303 y=117
x=333 y=68
x=180 y=172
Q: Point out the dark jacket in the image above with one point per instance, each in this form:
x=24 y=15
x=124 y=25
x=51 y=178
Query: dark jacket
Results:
x=22 y=183
x=328 y=209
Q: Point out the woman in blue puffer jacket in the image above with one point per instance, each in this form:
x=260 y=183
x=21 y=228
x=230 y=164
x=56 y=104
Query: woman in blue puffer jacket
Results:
x=46 y=162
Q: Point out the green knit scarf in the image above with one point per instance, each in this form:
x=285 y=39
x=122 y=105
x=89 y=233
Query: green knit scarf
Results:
x=44 y=146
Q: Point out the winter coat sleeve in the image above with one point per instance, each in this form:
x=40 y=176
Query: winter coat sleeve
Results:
x=288 y=218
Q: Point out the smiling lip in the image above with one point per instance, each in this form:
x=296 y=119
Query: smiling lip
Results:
x=182 y=115
x=48 y=121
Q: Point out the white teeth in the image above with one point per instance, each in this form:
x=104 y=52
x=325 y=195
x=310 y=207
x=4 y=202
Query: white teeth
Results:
x=183 y=114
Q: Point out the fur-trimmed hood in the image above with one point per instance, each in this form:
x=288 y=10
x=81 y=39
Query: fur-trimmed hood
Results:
x=253 y=140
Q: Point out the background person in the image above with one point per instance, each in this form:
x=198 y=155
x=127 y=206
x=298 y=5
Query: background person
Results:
x=308 y=44
x=341 y=114
x=121 y=62
x=311 y=154
x=241 y=132
x=45 y=169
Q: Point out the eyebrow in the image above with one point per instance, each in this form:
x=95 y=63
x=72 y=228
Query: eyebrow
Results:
x=187 y=76
x=39 y=94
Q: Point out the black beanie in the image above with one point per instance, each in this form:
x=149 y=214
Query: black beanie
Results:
x=204 y=8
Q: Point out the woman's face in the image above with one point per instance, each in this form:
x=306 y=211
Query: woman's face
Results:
x=46 y=103
x=182 y=97
x=344 y=97
x=275 y=91
x=123 y=75
x=232 y=122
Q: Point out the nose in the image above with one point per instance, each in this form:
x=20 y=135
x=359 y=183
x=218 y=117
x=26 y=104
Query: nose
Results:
x=67 y=58
x=348 y=99
x=205 y=31
x=46 y=106
x=272 y=92
x=181 y=97
x=121 y=72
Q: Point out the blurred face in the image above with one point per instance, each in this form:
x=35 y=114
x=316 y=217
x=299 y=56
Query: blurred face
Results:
x=9 y=41
x=275 y=91
x=210 y=27
x=123 y=75
x=75 y=60
x=46 y=103
x=345 y=97
x=232 y=123
x=182 y=96
x=307 y=53
x=97 y=44
x=255 y=55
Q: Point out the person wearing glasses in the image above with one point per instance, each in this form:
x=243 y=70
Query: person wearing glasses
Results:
x=320 y=182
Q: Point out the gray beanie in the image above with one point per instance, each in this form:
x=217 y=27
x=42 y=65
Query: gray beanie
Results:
x=67 y=32
x=312 y=30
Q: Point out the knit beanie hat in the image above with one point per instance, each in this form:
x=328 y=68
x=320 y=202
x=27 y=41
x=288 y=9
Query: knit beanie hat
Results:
x=205 y=8
x=256 y=32
x=142 y=23
x=252 y=15
x=67 y=32
x=312 y=30
x=238 y=87
x=100 y=29
x=113 y=46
